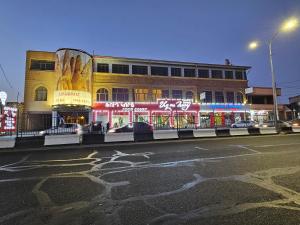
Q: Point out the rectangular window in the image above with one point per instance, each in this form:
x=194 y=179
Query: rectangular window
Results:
x=228 y=74
x=176 y=72
x=120 y=94
x=119 y=68
x=141 y=95
x=217 y=74
x=156 y=94
x=42 y=65
x=239 y=75
x=189 y=72
x=142 y=70
x=203 y=73
x=245 y=75
x=239 y=97
x=219 y=97
x=165 y=94
x=159 y=71
x=230 y=97
x=177 y=94
x=208 y=97
x=102 y=67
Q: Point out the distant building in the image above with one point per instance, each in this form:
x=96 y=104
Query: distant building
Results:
x=295 y=106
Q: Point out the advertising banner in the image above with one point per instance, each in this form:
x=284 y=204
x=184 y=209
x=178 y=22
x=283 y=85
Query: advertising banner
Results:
x=74 y=72
x=8 y=119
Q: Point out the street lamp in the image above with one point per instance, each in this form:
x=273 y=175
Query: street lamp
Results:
x=287 y=26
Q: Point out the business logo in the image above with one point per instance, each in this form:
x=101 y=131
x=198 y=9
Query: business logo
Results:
x=169 y=105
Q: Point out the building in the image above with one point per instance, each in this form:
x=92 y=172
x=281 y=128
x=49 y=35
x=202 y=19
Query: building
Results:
x=82 y=88
x=295 y=106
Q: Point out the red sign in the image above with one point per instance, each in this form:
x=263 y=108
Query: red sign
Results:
x=8 y=119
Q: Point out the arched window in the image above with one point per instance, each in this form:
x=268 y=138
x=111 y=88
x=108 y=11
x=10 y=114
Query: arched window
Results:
x=40 y=94
x=102 y=95
x=189 y=95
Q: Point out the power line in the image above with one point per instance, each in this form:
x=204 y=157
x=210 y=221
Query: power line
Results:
x=5 y=77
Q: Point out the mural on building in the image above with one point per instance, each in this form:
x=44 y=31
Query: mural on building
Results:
x=74 y=72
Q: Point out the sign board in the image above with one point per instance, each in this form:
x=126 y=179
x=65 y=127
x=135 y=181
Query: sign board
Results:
x=203 y=96
x=249 y=90
x=170 y=105
x=8 y=119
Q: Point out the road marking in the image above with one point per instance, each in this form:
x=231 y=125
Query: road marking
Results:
x=205 y=149
x=245 y=147
x=266 y=146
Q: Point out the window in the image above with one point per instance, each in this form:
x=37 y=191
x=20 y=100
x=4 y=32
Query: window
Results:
x=102 y=67
x=159 y=71
x=217 y=74
x=239 y=75
x=102 y=95
x=119 y=68
x=219 y=97
x=239 y=97
x=189 y=72
x=175 y=72
x=203 y=73
x=120 y=94
x=228 y=74
x=42 y=65
x=208 y=97
x=141 y=95
x=165 y=94
x=245 y=75
x=189 y=95
x=156 y=94
x=230 y=97
x=177 y=94
x=40 y=94
x=142 y=70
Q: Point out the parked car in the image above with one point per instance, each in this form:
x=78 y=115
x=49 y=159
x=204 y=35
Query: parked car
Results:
x=66 y=128
x=137 y=127
x=280 y=124
x=294 y=123
x=243 y=124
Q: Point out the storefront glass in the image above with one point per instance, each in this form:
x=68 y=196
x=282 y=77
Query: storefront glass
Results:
x=120 y=119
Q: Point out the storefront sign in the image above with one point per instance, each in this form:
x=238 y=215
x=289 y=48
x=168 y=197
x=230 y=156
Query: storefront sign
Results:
x=169 y=105
x=70 y=97
x=8 y=119
x=224 y=107
x=119 y=104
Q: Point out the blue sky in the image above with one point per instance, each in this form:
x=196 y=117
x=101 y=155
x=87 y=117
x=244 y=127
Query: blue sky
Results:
x=191 y=30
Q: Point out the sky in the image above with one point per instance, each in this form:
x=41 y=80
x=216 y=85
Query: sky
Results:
x=205 y=31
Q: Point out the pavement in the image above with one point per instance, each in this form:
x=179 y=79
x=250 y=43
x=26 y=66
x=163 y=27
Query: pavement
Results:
x=242 y=180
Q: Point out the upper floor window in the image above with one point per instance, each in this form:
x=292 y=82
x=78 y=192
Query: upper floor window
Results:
x=239 y=97
x=230 y=97
x=189 y=95
x=217 y=74
x=137 y=69
x=102 y=95
x=176 y=72
x=159 y=70
x=42 y=65
x=156 y=94
x=177 y=94
x=219 y=97
x=40 y=94
x=203 y=73
x=165 y=94
x=239 y=75
x=141 y=95
x=228 y=74
x=102 y=67
x=119 y=68
x=208 y=97
x=189 y=72
x=120 y=94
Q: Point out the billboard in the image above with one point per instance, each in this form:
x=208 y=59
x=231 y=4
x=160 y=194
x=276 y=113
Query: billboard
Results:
x=74 y=78
x=8 y=119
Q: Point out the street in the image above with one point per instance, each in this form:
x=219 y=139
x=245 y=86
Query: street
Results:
x=240 y=181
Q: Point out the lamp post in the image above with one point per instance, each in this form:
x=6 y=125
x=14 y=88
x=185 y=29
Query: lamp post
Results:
x=287 y=26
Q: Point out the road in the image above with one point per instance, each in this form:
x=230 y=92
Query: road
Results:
x=239 y=181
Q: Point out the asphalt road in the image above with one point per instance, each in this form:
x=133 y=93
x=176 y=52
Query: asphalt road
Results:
x=239 y=181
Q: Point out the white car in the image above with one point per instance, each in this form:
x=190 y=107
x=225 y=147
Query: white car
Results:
x=66 y=128
x=243 y=124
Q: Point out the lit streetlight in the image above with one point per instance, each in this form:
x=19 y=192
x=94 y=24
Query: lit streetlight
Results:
x=287 y=26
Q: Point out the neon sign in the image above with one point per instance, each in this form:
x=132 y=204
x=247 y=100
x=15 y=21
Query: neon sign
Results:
x=169 y=105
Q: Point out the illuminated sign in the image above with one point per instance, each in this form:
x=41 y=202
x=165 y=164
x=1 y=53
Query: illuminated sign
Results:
x=169 y=105
x=119 y=104
x=70 y=97
x=8 y=119
x=74 y=78
x=3 y=97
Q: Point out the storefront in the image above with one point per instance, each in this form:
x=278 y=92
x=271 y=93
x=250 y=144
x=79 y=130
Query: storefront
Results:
x=170 y=113
x=222 y=115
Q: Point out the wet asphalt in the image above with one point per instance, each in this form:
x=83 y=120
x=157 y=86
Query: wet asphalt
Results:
x=243 y=180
